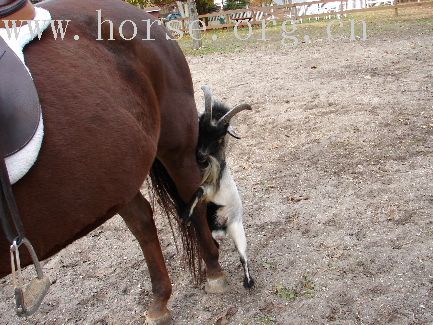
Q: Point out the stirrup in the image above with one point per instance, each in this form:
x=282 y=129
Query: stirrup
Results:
x=28 y=298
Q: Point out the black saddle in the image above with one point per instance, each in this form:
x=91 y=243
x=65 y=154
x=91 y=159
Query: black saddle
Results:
x=8 y=7
x=20 y=109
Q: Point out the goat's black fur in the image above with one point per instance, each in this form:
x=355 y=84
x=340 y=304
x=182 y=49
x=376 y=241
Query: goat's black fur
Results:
x=212 y=219
x=211 y=139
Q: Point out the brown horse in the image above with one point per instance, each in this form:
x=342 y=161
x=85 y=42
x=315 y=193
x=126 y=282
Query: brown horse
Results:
x=113 y=112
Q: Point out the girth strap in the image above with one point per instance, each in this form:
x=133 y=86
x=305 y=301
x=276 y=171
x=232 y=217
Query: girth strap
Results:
x=8 y=207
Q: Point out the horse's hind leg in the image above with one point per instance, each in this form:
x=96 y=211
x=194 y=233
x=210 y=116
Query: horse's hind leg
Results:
x=185 y=173
x=138 y=217
x=236 y=231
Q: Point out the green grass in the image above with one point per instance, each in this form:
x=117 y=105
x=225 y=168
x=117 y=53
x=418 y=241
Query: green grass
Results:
x=414 y=19
x=261 y=320
x=268 y=265
x=305 y=288
x=266 y=320
x=286 y=293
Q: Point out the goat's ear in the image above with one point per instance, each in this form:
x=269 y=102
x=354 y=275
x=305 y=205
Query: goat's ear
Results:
x=233 y=133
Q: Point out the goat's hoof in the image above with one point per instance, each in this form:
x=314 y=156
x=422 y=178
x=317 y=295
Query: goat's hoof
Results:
x=165 y=319
x=188 y=223
x=248 y=283
x=186 y=220
x=217 y=285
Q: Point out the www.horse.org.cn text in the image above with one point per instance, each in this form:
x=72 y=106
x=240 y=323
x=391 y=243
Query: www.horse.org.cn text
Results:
x=128 y=30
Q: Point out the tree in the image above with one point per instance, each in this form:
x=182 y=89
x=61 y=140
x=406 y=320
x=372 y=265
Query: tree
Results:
x=205 y=6
x=260 y=3
x=235 y=4
x=138 y=3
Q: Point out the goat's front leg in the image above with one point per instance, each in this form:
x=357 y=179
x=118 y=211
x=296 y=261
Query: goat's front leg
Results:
x=138 y=217
x=196 y=198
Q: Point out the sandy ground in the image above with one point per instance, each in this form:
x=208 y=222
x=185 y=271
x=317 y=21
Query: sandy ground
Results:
x=335 y=170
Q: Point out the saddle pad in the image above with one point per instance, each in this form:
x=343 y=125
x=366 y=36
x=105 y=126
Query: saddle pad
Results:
x=20 y=162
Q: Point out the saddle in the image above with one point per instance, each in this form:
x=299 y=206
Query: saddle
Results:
x=20 y=109
x=8 y=7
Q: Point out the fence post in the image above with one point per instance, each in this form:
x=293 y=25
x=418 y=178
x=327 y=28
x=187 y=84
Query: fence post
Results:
x=395 y=8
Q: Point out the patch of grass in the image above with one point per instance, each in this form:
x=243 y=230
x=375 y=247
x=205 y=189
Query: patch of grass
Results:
x=268 y=265
x=266 y=320
x=305 y=288
x=285 y=293
x=261 y=320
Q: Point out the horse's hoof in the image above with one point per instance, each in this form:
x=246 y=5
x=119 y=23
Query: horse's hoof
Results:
x=163 y=320
x=217 y=285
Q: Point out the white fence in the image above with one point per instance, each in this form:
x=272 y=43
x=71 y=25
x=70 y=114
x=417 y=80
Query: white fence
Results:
x=296 y=11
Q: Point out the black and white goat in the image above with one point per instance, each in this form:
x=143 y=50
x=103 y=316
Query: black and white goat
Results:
x=218 y=189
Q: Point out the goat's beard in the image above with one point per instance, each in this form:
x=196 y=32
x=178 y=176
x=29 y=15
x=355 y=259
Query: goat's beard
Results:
x=211 y=172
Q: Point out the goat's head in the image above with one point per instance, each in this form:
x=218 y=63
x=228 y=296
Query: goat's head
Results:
x=214 y=125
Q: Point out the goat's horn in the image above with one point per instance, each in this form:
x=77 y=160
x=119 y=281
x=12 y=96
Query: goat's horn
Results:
x=207 y=99
x=226 y=118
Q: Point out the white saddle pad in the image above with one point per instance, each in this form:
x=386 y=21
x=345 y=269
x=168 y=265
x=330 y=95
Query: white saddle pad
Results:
x=20 y=163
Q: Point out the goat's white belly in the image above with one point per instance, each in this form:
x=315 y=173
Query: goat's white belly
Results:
x=228 y=197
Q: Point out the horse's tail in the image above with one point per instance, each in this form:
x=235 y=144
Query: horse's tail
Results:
x=169 y=199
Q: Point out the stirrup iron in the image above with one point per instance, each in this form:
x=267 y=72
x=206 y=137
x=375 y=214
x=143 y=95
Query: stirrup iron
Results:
x=28 y=298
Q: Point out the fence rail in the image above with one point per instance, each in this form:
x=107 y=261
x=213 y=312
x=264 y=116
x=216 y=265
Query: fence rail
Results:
x=294 y=11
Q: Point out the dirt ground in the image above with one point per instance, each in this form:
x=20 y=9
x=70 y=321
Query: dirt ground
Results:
x=335 y=168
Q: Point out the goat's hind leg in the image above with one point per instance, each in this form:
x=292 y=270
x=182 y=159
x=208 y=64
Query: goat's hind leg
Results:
x=237 y=233
x=138 y=217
